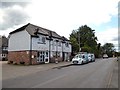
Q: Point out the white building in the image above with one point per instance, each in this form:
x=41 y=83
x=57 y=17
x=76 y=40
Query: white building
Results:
x=32 y=44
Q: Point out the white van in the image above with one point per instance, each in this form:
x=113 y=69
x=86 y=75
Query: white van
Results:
x=80 y=59
x=91 y=57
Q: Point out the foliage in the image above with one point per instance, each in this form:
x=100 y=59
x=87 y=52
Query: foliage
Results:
x=109 y=49
x=84 y=37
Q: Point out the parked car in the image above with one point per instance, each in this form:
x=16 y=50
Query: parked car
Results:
x=80 y=59
x=105 y=56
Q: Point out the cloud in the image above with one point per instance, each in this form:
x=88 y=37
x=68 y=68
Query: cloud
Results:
x=12 y=14
x=65 y=15
x=61 y=16
x=109 y=35
x=10 y=4
x=115 y=39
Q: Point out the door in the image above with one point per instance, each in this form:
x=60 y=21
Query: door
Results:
x=46 y=57
x=43 y=57
x=63 y=55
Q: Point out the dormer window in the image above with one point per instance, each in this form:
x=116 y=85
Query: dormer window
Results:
x=67 y=44
x=41 y=40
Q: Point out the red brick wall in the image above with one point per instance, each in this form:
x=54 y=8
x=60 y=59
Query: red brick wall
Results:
x=24 y=56
x=34 y=60
x=19 y=56
x=52 y=59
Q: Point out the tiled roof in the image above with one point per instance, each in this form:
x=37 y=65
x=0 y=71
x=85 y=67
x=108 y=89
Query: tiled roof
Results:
x=33 y=30
x=64 y=38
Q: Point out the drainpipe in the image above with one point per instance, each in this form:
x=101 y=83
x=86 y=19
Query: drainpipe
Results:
x=30 y=50
x=62 y=51
x=49 y=49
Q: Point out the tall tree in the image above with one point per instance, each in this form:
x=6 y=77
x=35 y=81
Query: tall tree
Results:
x=108 y=48
x=84 y=37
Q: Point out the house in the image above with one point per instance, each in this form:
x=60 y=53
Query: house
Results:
x=3 y=48
x=31 y=44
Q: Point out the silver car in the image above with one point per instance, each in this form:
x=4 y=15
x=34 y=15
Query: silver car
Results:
x=105 y=56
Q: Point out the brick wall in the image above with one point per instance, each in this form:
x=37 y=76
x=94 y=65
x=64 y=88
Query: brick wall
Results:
x=17 y=57
x=52 y=59
x=34 y=59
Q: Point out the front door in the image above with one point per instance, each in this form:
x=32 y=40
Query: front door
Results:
x=46 y=59
x=43 y=57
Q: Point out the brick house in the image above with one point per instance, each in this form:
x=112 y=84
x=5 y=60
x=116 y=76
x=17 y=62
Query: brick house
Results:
x=3 y=48
x=31 y=44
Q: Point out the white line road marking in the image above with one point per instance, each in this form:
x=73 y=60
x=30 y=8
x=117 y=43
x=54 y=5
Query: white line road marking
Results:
x=39 y=67
x=51 y=80
x=110 y=79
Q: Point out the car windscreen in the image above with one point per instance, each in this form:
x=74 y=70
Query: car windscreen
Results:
x=77 y=56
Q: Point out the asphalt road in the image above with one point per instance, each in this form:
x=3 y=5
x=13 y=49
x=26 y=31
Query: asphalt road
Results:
x=99 y=74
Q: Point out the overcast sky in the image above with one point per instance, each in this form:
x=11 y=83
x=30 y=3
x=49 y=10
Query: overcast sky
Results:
x=62 y=16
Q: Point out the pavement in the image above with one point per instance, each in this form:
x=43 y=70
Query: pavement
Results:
x=12 y=71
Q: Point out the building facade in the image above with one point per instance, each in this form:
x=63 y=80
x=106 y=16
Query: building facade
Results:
x=32 y=44
x=3 y=48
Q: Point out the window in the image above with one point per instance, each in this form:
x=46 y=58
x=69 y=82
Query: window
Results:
x=67 y=44
x=83 y=56
x=41 y=40
x=3 y=55
x=46 y=54
x=59 y=43
x=4 y=48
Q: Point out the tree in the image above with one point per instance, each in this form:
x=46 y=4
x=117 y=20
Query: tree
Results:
x=109 y=49
x=85 y=38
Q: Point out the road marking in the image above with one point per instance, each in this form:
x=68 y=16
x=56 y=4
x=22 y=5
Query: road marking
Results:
x=51 y=80
x=39 y=67
x=110 y=79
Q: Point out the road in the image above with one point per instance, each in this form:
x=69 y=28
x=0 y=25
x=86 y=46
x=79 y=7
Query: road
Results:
x=98 y=74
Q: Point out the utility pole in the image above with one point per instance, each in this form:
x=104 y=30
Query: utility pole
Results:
x=79 y=40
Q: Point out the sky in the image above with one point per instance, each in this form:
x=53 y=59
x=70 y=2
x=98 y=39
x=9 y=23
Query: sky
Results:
x=62 y=16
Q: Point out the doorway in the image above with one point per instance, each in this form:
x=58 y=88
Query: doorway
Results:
x=43 y=56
